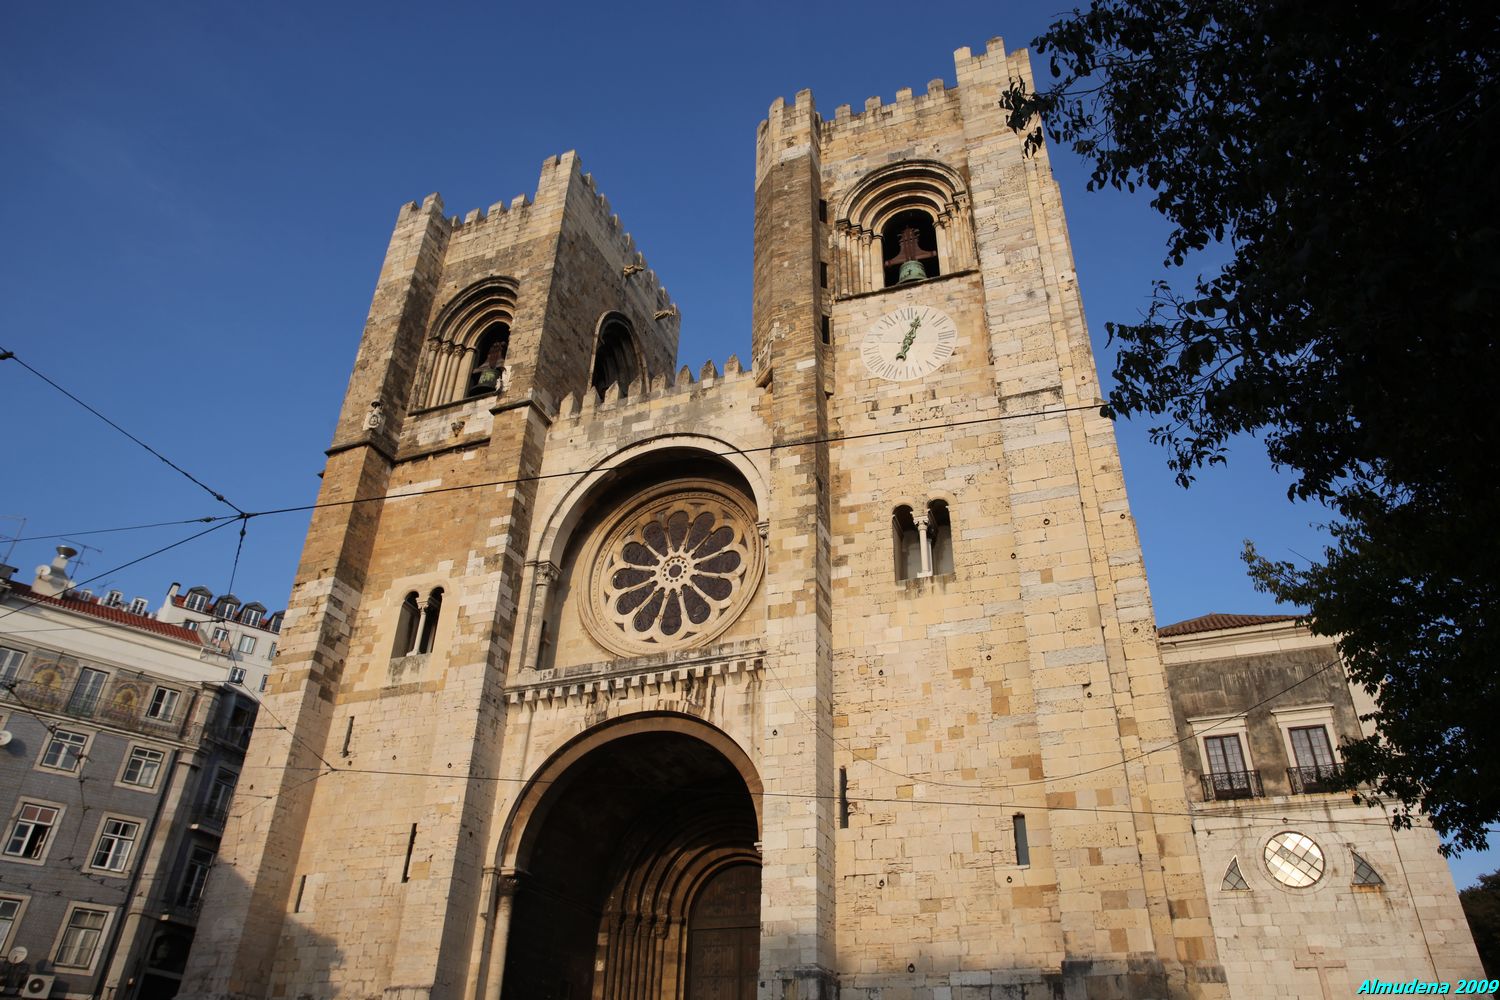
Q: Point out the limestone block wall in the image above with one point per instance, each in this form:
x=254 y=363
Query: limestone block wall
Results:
x=1026 y=683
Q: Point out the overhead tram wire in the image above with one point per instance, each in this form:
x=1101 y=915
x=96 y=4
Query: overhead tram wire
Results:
x=540 y=477
x=6 y=355
x=36 y=599
x=757 y=449
x=210 y=519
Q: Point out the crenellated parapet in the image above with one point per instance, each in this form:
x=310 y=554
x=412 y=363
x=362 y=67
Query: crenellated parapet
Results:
x=658 y=392
x=991 y=66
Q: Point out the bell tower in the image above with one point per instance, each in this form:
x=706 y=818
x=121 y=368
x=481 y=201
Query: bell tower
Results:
x=833 y=675
x=404 y=610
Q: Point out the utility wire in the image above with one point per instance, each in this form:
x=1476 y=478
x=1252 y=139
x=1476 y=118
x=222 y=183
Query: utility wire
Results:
x=129 y=527
x=36 y=599
x=775 y=446
x=6 y=355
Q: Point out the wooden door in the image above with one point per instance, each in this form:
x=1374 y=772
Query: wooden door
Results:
x=724 y=936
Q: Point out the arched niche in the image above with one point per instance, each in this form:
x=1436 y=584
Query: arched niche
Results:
x=469 y=339
x=617 y=357
x=868 y=220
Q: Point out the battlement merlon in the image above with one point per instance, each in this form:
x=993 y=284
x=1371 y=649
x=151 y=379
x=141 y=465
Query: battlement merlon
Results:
x=645 y=393
x=561 y=185
x=780 y=131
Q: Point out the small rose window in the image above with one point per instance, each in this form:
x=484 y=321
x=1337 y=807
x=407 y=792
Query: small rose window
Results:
x=674 y=570
x=1294 y=859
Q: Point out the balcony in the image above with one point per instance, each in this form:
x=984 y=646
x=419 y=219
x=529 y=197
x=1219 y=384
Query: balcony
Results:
x=107 y=707
x=211 y=816
x=1231 y=785
x=1316 y=779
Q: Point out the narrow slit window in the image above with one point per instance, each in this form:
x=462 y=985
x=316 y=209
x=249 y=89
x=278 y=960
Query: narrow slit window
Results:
x=411 y=843
x=1023 y=848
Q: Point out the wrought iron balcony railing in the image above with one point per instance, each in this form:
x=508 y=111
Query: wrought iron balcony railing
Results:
x=107 y=708
x=1232 y=785
x=1315 y=779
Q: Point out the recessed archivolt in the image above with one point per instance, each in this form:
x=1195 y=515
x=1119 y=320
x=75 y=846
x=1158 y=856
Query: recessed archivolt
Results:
x=479 y=316
x=926 y=186
x=575 y=504
x=527 y=817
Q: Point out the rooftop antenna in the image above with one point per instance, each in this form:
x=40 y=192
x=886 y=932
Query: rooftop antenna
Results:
x=78 y=559
x=20 y=530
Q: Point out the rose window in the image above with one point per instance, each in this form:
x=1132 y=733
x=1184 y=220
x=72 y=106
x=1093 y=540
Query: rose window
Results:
x=675 y=569
x=1294 y=859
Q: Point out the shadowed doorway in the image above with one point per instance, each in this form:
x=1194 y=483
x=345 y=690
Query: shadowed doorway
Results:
x=638 y=878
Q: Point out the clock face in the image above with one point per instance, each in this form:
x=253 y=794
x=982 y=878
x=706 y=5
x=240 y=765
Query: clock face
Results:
x=909 y=342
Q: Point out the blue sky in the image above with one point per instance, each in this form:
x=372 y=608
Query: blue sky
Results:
x=198 y=197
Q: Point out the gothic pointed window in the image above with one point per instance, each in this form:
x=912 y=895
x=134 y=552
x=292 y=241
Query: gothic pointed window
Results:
x=1234 y=879
x=614 y=359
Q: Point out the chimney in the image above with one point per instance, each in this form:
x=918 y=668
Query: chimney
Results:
x=53 y=580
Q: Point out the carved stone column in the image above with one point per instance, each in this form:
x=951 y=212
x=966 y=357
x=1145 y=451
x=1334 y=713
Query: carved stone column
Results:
x=544 y=575
x=506 y=885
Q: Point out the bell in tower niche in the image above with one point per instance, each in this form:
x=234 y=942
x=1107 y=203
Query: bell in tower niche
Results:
x=910 y=255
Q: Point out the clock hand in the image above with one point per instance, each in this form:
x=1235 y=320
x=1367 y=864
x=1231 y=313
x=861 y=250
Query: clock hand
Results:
x=911 y=335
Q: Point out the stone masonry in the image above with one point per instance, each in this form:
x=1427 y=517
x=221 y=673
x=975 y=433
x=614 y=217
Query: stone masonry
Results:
x=950 y=780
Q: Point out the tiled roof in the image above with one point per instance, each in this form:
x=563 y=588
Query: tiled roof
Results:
x=1214 y=621
x=117 y=615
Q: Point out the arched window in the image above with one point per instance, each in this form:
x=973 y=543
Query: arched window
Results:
x=923 y=542
x=431 y=611
x=487 y=373
x=468 y=344
x=416 y=625
x=614 y=359
x=940 y=536
x=909 y=246
x=406 y=627
x=913 y=214
x=908 y=544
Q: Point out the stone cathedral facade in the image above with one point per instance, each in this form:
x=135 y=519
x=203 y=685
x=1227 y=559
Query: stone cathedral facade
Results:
x=829 y=673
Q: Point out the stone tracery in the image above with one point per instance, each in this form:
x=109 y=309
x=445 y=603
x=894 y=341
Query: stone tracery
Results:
x=674 y=568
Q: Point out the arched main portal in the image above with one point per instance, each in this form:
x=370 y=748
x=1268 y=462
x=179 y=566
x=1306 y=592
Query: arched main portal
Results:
x=636 y=869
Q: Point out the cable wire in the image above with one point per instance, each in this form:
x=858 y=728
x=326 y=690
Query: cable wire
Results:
x=6 y=355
